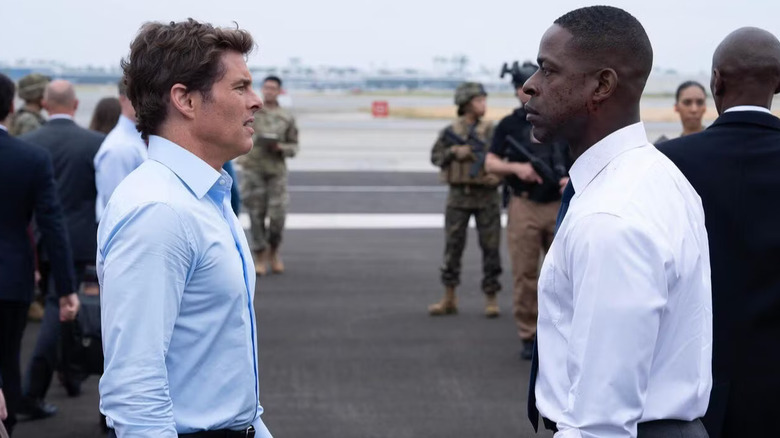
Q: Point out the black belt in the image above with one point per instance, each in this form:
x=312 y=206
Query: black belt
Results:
x=249 y=432
x=224 y=433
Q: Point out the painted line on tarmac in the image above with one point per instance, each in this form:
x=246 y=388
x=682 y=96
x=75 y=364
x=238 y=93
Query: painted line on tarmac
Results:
x=359 y=221
x=367 y=189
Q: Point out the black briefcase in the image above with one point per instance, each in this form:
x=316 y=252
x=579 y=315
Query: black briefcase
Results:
x=84 y=342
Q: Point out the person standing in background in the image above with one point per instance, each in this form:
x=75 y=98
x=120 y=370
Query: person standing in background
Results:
x=27 y=169
x=72 y=150
x=121 y=152
x=532 y=207
x=264 y=177
x=459 y=152
x=690 y=102
x=733 y=165
x=29 y=117
x=106 y=115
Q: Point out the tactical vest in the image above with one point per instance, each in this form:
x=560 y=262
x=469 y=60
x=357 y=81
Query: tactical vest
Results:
x=458 y=172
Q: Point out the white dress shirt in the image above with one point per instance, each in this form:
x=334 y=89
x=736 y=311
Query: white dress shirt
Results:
x=625 y=306
x=122 y=151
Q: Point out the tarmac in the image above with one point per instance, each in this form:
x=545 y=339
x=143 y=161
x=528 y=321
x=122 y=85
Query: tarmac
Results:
x=346 y=347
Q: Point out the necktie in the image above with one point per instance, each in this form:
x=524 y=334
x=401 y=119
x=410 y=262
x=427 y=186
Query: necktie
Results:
x=533 y=413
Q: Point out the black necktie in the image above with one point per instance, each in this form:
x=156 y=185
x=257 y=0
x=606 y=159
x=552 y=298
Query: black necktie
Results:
x=533 y=413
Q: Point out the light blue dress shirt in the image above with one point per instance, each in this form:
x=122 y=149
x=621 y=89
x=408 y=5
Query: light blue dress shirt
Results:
x=122 y=151
x=177 y=285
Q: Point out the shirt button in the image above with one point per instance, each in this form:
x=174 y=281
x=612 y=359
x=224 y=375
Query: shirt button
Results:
x=222 y=182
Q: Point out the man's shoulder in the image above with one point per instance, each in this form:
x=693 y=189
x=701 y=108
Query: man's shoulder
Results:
x=20 y=149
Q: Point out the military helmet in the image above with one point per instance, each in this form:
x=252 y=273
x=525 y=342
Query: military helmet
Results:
x=467 y=91
x=31 y=86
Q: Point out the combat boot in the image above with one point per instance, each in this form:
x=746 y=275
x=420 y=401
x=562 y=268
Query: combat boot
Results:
x=447 y=306
x=277 y=266
x=491 y=306
x=261 y=262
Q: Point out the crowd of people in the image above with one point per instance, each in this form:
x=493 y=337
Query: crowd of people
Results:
x=653 y=314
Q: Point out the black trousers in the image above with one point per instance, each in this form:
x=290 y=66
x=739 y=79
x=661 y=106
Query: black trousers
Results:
x=13 y=318
x=51 y=345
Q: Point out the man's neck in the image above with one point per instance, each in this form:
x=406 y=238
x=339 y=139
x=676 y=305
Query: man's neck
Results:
x=598 y=131
x=688 y=130
x=183 y=138
x=130 y=116
x=54 y=114
x=271 y=105
x=33 y=107
x=470 y=118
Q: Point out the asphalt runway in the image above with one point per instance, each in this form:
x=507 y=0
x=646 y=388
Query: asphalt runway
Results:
x=346 y=348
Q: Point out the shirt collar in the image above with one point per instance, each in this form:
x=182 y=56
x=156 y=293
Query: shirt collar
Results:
x=598 y=156
x=3 y=128
x=61 y=116
x=193 y=171
x=127 y=124
x=747 y=108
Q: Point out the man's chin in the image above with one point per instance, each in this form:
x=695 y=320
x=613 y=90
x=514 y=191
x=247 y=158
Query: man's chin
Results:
x=541 y=135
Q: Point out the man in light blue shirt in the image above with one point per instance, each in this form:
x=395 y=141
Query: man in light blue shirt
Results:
x=122 y=151
x=175 y=269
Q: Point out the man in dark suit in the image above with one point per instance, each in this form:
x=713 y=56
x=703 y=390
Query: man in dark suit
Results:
x=72 y=149
x=734 y=165
x=26 y=173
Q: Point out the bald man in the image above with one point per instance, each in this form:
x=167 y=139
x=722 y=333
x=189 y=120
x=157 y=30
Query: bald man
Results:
x=734 y=165
x=72 y=151
x=624 y=329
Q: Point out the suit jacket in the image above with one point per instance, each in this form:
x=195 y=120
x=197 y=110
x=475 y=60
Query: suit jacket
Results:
x=734 y=165
x=27 y=184
x=72 y=149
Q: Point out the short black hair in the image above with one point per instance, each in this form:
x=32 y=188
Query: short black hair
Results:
x=607 y=30
x=7 y=92
x=687 y=84
x=273 y=78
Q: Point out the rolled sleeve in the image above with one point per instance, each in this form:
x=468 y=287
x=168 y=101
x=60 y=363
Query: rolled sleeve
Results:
x=144 y=263
x=620 y=291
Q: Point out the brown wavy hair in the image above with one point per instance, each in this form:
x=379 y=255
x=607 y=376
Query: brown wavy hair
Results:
x=187 y=53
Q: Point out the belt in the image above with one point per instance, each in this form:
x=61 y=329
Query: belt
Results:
x=249 y=432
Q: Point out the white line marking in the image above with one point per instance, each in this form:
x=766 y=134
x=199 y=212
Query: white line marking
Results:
x=359 y=221
x=367 y=189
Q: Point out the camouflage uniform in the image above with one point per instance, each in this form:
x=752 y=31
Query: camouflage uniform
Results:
x=31 y=89
x=264 y=178
x=469 y=196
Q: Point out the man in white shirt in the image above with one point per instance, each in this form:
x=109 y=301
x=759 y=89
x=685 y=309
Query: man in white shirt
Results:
x=624 y=341
x=121 y=152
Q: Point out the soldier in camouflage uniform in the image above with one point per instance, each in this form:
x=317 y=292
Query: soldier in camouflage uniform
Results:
x=472 y=192
x=264 y=178
x=29 y=118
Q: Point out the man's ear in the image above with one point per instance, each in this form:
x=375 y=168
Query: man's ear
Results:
x=717 y=87
x=607 y=84
x=183 y=100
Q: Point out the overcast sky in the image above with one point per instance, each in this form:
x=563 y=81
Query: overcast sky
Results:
x=365 y=33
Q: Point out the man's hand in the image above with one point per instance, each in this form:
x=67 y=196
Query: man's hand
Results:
x=562 y=183
x=274 y=147
x=3 y=409
x=462 y=152
x=69 y=307
x=492 y=179
x=526 y=173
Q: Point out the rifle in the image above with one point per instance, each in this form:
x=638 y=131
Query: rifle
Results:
x=477 y=148
x=549 y=176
